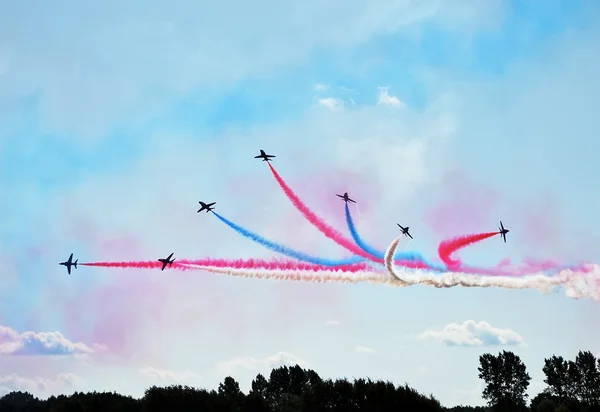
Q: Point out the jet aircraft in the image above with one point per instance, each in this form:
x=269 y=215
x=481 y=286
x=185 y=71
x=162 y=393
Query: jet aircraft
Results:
x=206 y=207
x=166 y=261
x=346 y=198
x=265 y=157
x=405 y=230
x=69 y=263
x=503 y=231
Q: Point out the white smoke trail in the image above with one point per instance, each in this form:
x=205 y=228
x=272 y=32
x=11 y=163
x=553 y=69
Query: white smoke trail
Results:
x=305 y=275
x=358 y=210
x=577 y=284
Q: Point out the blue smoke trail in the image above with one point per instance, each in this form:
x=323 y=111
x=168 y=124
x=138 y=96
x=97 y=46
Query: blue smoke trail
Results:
x=285 y=250
x=398 y=255
x=357 y=239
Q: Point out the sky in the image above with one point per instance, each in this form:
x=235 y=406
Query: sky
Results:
x=447 y=116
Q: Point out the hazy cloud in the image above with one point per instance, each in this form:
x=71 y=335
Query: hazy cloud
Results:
x=256 y=364
x=471 y=333
x=364 y=349
x=40 y=343
x=62 y=383
x=163 y=375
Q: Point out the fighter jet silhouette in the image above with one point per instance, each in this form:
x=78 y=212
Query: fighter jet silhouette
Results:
x=166 y=261
x=346 y=198
x=405 y=230
x=503 y=231
x=265 y=157
x=69 y=263
x=205 y=206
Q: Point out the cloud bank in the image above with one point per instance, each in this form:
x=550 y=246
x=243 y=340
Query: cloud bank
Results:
x=41 y=343
x=61 y=384
x=169 y=376
x=471 y=333
x=235 y=365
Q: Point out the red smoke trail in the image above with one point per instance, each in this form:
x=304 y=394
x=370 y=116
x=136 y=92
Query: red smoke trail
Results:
x=305 y=275
x=275 y=265
x=234 y=264
x=448 y=247
x=327 y=230
x=149 y=264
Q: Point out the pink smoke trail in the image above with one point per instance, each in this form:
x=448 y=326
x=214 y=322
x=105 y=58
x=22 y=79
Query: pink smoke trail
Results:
x=327 y=230
x=305 y=275
x=149 y=264
x=450 y=246
x=577 y=284
x=275 y=265
x=184 y=264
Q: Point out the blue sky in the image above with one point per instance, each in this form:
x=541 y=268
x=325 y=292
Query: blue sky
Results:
x=115 y=121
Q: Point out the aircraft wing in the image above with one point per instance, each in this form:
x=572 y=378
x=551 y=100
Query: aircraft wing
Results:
x=69 y=269
x=409 y=235
x=350 y=200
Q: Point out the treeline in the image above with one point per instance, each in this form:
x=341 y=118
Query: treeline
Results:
x=572 y=386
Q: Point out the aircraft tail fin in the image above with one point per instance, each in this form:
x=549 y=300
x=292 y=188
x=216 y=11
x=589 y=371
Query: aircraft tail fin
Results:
x=75 y=264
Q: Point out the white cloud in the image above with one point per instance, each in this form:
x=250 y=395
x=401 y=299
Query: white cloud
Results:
x=235 y=365
x=349 y=142
x=364 y=349
x=321 y=87
x=332 y=323
x=93 y=212
x=40 y=343
x=63 y=383
x=105 y=73
x=163 y=375
x=386 y=99
x=332 y=103
x=471 y=333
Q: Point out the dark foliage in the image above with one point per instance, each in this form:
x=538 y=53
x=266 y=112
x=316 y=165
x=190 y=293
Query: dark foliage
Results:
x=573 y=386
x=290 y=389
x=506 y=381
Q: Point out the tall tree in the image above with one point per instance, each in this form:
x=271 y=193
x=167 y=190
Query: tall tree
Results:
x=231 y=395
x=556 y=369
x=259 y=385
x=589 y=383
x=506 y=380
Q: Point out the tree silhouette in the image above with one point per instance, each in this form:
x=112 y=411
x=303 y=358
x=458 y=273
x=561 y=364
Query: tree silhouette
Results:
x=19 y=401
x=506 y=381
x=231 y=397
x=556 y=369
x=573 y=386
x=588 y=389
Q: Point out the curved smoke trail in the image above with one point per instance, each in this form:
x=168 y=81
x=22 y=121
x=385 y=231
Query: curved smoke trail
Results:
x=285 y=250
x=577 y=284
x=356 y=237
x=450 y=246
x=408 y=259
x=323 y=227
